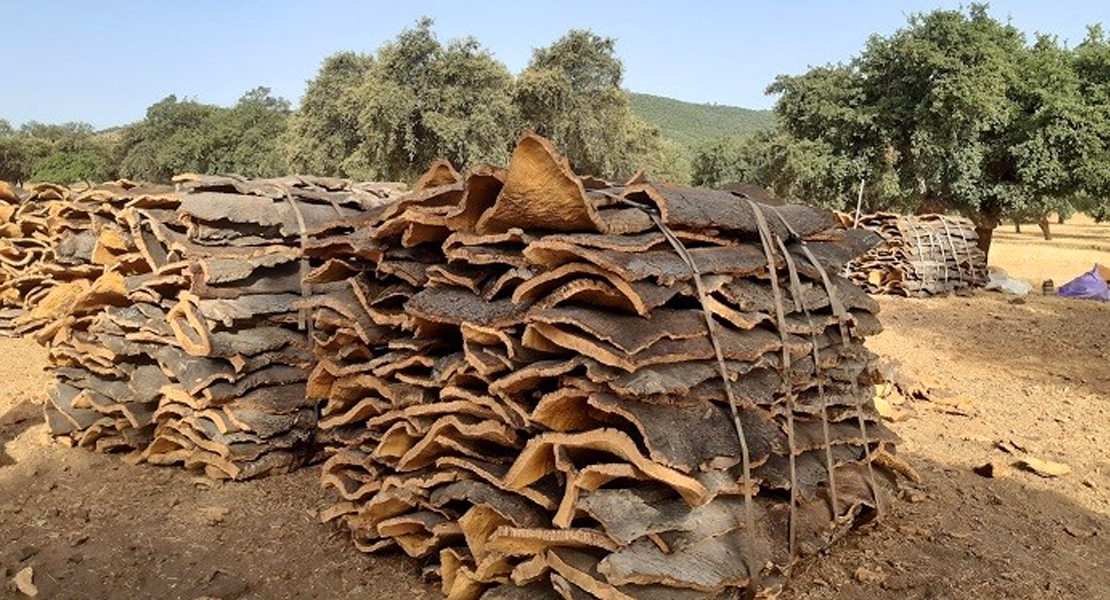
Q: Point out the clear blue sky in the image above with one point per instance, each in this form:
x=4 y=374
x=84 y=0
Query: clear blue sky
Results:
x=105 y=61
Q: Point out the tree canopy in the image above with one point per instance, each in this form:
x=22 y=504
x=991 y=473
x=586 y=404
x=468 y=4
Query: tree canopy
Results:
x=14 y=159
x=187 y=136
x=388 y=116
x=421 y=100
x=173 y=138
x=955 y=111
x=324 y=133
x=246 y=137
x=571 y=93
x=798 y=170
x=1092 y=64
x=383 y=116
x=940 y=93
x=66 y=152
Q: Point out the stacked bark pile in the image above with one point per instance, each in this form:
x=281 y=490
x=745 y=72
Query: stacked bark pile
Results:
x=187 y=347
x=525 y=384
x=26 y=245
x=55 y=242
x=19 y=247
x=102 y=339
x=921 y=255
x=87 y=238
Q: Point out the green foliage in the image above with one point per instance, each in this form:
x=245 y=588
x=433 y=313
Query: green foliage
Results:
x=14 y=160
x=797 y=170
x=389 y=116
x=829 y=141
x=939 y=93
x=665 y=160
x=930 y=103
x=421 y=100
x=725 y=160
x=175 y=137
x=323 y=134
x=954 y=111
x=806 y=171
x=67 y=166
x=63 y=153
x=825 y=103
x=571 y=93
x=180 y=136
x=688 y=131
x=1096 y=207
x=1051 y=136
x=1092 y=65
x=246 y=136
x=690 y=124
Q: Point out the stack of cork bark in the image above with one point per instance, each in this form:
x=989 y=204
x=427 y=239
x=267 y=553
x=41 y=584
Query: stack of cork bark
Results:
x=921 y=255
x=26 y=246
x=187 y=347
x=550 y=386
x=101 y=347
x=23 y=243
x=54 y=242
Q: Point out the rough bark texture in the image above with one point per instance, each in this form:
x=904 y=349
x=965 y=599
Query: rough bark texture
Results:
x=539 y=385
x=169 y=317
x=536 y=401
x=984 y=236
x=921 y=255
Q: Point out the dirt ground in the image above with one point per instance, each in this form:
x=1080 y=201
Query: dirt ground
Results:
x=1032 y=373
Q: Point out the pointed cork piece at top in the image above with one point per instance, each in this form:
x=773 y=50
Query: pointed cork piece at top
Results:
x=540 y=193
x=440 y=173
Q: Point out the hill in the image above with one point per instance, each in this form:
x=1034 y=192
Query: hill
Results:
x=690 y=124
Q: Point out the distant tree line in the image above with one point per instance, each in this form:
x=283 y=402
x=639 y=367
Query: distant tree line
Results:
x=67 y=152
x=955 y=112
x=385 y=116
x=176 y=136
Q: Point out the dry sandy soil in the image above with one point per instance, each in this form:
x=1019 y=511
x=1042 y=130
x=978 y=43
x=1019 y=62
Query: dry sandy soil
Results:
x=1031 y=373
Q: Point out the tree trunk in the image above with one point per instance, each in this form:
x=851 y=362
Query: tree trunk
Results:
x=985 y=235
x=1043 y=224
x=1060 y=219
x=1017 y=226
x=985 y=223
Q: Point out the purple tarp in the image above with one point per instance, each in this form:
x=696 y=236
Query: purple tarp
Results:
x=1090 y=286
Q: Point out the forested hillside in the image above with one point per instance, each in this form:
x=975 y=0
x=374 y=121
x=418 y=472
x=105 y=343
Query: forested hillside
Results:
x=691 y=124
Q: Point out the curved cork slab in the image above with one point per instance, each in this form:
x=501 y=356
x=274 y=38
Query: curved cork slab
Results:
x=691 y=438
x=639 y=297
x=701 y=209
x=538 y=459
x=439 y=173
x=540 y=193
x=482 y=185
x=352 y=473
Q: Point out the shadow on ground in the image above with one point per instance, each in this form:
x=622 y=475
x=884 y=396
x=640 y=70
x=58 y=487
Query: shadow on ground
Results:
x=21 y=417
x=94 y=527
x=967 y=537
